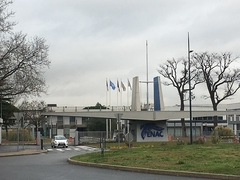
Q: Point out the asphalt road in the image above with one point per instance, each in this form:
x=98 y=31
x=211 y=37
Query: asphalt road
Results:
x=53 y=166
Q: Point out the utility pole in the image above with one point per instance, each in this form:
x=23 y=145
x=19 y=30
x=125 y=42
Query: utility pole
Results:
x=147 y=73
x=190 y=93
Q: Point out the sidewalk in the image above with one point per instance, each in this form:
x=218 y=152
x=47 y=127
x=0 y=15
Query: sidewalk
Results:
x=14 y=150
x=22 y=152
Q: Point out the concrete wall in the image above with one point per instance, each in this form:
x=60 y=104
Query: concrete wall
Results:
x=136 y=106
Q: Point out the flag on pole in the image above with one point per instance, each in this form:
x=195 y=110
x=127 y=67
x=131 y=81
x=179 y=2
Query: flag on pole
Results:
x=123 y=87
x=112 y=85
x=118 y=86
x=129 y=84
x=107 y=84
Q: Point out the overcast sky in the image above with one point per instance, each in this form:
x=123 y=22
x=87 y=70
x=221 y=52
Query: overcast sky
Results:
x=94 y=40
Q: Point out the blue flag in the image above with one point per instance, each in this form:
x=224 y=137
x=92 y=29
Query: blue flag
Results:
x=112 y=85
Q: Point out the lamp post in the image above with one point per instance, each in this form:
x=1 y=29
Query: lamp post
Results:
x=190 y=93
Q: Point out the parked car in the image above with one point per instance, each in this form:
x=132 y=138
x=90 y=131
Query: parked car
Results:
x=59 y=140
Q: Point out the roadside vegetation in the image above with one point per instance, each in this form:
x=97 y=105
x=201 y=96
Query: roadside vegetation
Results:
x=221 y=158
x=25 y=137
x=218 y=154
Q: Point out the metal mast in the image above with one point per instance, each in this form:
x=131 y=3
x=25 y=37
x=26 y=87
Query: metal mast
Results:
x=147 y=73
x=190 y=93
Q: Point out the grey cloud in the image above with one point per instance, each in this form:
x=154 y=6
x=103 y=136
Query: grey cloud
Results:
x=92 y=40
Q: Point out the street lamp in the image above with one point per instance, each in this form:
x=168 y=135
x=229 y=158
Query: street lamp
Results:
x=190 y=93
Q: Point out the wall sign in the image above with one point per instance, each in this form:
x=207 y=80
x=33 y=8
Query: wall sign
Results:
x=151 y=130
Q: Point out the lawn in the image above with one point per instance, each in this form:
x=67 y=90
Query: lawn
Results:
x=222 y=158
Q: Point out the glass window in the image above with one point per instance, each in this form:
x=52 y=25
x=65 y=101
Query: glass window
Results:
x=60 y=122
x=72 y=122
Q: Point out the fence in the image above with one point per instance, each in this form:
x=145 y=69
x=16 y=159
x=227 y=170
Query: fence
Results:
x=14 y=135
x=87 y=137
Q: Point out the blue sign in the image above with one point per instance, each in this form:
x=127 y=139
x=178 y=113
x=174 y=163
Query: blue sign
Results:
x=151 y=130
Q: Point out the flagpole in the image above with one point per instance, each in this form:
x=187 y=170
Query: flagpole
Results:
x=110 y=103
x=147 y=73
x=107 y=92
x=121 y=94
x=127 y=97
x=127 y=93
x=117 y=93
x=129 y=85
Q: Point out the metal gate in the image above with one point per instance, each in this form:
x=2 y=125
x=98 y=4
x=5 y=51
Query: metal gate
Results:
x=87 y=137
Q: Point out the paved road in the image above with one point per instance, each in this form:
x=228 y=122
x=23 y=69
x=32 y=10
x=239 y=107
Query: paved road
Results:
x=53 y=166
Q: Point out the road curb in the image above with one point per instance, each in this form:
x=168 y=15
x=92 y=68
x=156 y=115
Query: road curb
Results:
x=155 y=171
x=22 y=153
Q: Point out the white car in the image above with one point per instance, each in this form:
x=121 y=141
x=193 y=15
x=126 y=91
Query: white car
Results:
x=59 y=140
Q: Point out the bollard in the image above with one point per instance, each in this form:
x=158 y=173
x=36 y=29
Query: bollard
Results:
x=41 y=144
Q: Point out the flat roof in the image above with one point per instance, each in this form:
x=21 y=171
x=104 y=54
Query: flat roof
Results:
x=142 y=115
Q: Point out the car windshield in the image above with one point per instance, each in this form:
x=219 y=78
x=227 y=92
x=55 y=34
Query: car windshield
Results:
x=60 y=138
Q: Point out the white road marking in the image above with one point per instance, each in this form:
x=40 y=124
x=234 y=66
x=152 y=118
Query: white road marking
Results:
x=59 y=149
x=75 y=148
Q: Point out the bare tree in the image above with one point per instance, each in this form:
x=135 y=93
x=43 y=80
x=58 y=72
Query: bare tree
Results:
x=32 y=112
x=176 y=71
x=5 y=25
x=221 y=78
x=22 y=64
x=22 y=60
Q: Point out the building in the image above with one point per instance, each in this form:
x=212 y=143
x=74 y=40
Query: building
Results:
x=148 y=125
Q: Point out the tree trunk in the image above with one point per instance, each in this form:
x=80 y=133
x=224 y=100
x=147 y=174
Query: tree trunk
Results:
x=184 y=133
x=215 y=121
x=215 y=118
x=36 y=131
x=6 y=132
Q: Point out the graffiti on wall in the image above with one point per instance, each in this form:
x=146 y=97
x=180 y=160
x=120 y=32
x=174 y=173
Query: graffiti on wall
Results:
x=151 y=130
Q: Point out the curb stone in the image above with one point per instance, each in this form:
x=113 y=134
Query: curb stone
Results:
x=23 y=152
x=156 y=171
